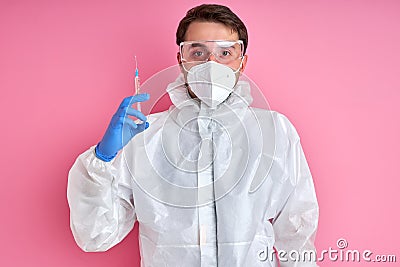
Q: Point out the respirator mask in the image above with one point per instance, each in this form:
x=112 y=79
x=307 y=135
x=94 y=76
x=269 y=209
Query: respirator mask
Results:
x=211 y=82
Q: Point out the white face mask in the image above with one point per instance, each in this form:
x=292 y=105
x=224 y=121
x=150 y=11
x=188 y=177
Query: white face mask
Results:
x=211 y=82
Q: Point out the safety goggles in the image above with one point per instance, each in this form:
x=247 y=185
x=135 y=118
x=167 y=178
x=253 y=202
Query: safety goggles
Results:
x=198 y=52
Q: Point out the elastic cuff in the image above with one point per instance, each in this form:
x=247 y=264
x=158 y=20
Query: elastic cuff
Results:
x=103 y=157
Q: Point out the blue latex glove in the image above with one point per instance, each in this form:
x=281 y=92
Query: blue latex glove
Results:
x=122 y=128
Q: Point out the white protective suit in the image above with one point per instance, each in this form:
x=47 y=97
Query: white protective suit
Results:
x=208 y=187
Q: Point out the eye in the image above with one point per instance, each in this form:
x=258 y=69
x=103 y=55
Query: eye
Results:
x=197 y=53
x=226 y=53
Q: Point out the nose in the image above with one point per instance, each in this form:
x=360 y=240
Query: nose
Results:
x=212 y=57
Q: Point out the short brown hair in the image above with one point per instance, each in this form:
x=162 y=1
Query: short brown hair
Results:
x=212 y=13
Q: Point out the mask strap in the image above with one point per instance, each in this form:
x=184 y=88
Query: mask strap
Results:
x=241 y=64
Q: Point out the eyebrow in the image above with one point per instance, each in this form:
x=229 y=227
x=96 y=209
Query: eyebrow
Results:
x=197 y=45
x=220 y=44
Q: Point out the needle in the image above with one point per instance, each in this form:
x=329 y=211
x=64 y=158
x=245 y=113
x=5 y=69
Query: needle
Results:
x=137 y=83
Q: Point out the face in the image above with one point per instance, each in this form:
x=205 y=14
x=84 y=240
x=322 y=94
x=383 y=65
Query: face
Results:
x=212 y=31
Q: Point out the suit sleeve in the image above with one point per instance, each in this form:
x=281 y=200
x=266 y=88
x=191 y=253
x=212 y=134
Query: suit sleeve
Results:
x=296 y=223
x=101 y=203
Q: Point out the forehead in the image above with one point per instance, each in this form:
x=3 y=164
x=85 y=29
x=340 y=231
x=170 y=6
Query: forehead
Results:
x=198 y=30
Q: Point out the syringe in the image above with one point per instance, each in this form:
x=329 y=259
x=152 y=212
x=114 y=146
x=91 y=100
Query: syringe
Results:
x=137 y=83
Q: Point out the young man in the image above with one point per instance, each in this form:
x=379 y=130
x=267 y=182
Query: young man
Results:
x=211 y=181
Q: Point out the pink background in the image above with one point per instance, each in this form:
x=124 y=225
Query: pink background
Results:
x=332 y=67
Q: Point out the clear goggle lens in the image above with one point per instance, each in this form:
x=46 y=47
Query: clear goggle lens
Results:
x=197 y=52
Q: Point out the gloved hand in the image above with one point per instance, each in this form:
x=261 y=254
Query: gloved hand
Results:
x=122 y=128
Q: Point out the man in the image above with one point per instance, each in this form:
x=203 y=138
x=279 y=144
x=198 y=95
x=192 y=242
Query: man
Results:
x=211 y=181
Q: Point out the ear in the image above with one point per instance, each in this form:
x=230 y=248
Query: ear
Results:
x=243 y=63
x=178 y=58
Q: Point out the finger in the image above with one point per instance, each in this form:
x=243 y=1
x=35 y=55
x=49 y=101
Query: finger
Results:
x=131 y=123
x=142 y=126
x=128 y=101
x=125 y=102
x=136 y=113
x=140 y=98
x=117 y=121
x=123 y=112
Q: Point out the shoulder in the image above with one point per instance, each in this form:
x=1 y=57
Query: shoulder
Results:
x=280 y=122
x=154 y=117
